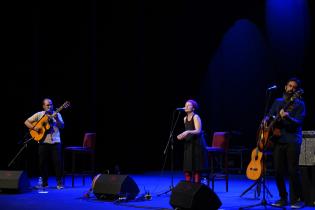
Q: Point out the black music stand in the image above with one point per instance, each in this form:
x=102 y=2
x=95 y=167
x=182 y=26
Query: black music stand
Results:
x=170 y=144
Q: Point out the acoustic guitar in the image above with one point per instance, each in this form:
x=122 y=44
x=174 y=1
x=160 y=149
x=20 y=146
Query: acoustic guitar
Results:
x=43 y=124
x=256 y=165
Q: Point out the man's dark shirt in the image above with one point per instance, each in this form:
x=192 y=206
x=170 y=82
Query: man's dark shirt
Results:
x=291 y=126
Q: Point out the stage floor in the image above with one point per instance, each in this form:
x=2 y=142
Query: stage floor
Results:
x=156 y=183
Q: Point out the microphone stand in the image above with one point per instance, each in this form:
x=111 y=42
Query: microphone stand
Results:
x=263 y=201
x=259 y=181
x=19 y=152
x=24 y=143
x=170 y=144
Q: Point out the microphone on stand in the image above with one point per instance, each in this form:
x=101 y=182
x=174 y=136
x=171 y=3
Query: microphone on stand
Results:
x=180 y=109
x=272 y=88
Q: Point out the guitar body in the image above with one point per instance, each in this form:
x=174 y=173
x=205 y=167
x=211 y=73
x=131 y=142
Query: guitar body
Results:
x=254 y=168
x=42 y=125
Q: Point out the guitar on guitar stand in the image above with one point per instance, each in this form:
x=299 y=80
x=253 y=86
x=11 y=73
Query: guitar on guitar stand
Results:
x=257 y=167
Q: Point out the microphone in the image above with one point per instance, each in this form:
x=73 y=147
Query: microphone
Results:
x=180 y=109
x=272 y=87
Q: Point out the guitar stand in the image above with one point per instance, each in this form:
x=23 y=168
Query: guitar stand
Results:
x=258 y=185
x=19 y=152
x=261 y=181
x=263 y=202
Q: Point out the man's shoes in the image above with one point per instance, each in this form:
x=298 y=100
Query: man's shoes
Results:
x=60 y=185
x=44 y=185
x=280 y=203
x=297 y=205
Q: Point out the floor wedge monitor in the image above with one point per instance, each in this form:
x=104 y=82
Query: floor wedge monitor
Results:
x=187 y=195
x=113 y=186
x=14 y=181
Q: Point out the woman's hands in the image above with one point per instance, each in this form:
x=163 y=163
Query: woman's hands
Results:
x=183 y=135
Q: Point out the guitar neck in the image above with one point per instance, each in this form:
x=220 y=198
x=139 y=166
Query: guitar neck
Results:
x=278 y=115
x=57 y=111
x=65 y=105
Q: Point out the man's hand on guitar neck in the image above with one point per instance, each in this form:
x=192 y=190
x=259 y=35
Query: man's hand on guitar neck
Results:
x=54 y=120
x=283 y=114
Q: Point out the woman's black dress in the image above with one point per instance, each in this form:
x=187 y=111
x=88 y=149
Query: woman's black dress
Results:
x=195 y=153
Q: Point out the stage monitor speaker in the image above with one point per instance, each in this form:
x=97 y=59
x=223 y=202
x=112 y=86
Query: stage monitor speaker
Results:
x=14 y=181
x=113 y=186
x=187 y=195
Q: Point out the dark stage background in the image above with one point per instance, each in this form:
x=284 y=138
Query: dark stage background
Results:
x=126 y=65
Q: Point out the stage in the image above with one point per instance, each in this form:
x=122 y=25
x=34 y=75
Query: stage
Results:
x=155 y=183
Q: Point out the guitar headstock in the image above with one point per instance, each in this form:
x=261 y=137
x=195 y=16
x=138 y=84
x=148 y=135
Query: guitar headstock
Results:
x=297 y=94
x=65 y=104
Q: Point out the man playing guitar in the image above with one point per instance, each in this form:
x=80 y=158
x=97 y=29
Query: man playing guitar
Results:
x=287 y=138
x=44 y=127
